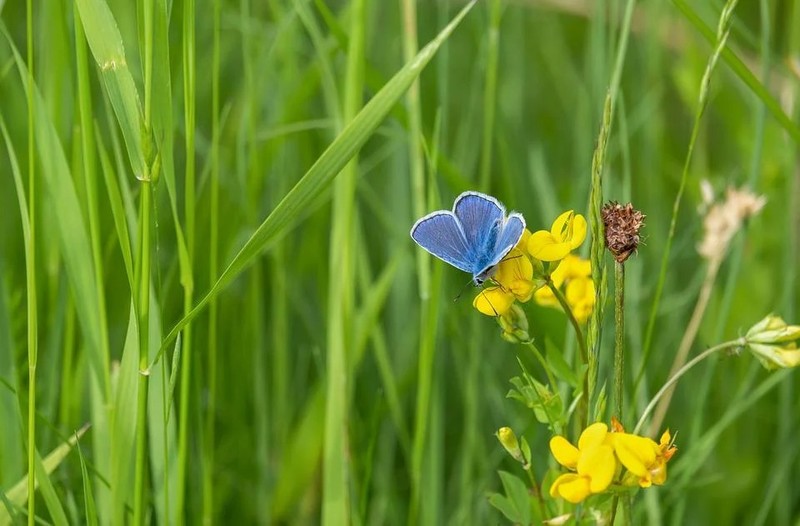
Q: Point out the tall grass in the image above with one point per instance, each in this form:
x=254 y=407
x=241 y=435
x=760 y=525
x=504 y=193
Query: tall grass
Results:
x=206 y=257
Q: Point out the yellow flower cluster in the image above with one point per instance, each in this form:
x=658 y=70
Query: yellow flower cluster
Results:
x=521 y=275
x=604 y=456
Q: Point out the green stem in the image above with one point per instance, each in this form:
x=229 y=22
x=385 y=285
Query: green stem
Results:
x=538 y=354
x=537 y=490
x=30 y=278
x=584 y=404
x=143 y=300
x=575 y=325
x=619 y=337
x=213 y=271
x=739 y=342
x=189 y=197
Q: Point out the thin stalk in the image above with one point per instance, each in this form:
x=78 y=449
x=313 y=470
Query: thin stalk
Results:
x=538 y=354
x=189 y=212
x=688 y=338
x=143 y=298
x=575 y=325
x=738 y=342
x=584 y=404
x=619 y=337
x=143 y=275
x=537 y=490
x=213 y=271
x=336 y=464
x=30 y=277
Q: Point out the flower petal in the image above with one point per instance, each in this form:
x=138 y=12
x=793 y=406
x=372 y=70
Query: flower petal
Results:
x=493 y=301
x=566 y=454
x=578 y=232
x=545 y=247
x=594 y=435
x=599 y=464
x=637 y=454
x=571 y=487
x=561 y=225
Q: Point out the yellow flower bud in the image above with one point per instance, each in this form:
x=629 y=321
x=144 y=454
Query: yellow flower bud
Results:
x=509 y=441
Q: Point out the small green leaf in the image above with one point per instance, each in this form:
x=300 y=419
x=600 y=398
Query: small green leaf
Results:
x=519 y=496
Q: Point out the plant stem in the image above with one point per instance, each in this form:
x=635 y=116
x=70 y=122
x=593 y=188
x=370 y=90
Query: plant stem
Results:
x=538 y=354
x=575 y=325
x=619 y=339
x=537 y=491
x=30 y=277
x=584 y=404
x=189 y=198
x=143 y=301
x=213 y=271
x=675 y=377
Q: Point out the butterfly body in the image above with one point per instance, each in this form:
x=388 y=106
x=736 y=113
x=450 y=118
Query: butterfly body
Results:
x=474 y=237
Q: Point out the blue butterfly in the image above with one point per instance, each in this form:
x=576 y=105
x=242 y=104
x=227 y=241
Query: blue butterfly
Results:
x=474 y=237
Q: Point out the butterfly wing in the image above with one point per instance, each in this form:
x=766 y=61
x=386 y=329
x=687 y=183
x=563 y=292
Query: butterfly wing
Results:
x=440 y=234
x=509 y=236
x=480 y=216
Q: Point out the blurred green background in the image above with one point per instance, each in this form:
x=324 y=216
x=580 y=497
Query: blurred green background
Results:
x=369 y=359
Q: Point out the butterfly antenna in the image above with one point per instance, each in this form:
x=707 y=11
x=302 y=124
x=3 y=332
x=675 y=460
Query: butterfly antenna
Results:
x=462 y=291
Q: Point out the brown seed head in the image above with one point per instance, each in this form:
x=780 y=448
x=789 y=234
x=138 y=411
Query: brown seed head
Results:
x=622 y=224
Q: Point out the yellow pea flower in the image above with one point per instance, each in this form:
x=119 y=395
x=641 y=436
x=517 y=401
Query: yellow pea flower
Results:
x=566 y=234
x=645 y=460
x=514 y=278
x=593 y=463
x=580 y=295
x=493 y=301
x=579 y=291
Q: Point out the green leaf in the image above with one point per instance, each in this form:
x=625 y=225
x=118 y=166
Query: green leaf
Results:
x=105 y=41
x=518 y=496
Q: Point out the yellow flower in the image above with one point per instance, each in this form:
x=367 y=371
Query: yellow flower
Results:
x=579 y=291
x=645 y=460
x=514 y=278
x=493 y=301
x=580 y=295
x=566 y=234
x=593 y=462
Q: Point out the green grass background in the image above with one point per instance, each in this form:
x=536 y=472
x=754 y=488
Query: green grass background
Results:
x=334 y=379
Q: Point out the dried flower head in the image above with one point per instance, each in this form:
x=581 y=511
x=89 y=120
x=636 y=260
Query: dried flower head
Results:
x=724 y=219
x=622 y=224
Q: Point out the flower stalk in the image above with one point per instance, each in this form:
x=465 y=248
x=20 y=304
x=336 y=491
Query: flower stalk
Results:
x=619 y=337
